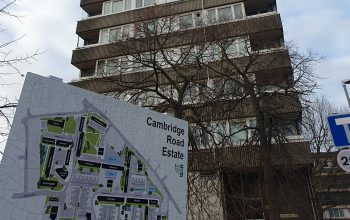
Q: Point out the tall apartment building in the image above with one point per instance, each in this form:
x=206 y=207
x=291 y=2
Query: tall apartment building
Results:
x=197 y=59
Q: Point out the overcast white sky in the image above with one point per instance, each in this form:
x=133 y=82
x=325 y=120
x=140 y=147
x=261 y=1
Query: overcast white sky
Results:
x=319 y=25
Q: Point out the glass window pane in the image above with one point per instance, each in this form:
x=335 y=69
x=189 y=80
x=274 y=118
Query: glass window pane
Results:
x=214 y=52
x=252 y=128
x=190 y=93
x=137 y=64
x=241 y=45
x=238 y=11
x=150 y=27
x=146 y=57
x=221 y=132
x=107 y=8
x=117 y=6
x=149 y=2
x=252 y=123
x=104 y=37
x=198 y=19
x=124 y=64
x=211 y=16
x=138 y=32
x=100 y=67
x=138 y=3
x=112 y=66
x=238 y=131
x=127 y=5
x=231 y=48
x=219 y=87
x=185 y=21
x=115 y=34
x=188 y=55
x=126 y=31
x=225 y=14
x=231 y=88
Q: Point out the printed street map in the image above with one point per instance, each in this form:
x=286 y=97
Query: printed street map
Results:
x=74 y=154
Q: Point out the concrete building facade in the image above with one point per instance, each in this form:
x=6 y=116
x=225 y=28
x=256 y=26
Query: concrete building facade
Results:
x=114 y=56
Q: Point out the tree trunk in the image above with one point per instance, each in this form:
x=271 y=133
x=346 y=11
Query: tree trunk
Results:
x=270 y=209
x=270 y=206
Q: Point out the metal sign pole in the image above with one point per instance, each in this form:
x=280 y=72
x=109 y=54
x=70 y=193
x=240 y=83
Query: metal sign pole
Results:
x=346 y=91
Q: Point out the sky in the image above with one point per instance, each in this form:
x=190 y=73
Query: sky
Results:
x=321 y=26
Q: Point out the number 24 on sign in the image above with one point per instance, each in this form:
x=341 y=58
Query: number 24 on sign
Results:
x=343 y=159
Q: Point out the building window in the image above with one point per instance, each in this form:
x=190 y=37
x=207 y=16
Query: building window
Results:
x=225 y=14
x=144 y=3
x=116 y=6
x=233 y=89
x=228 y=89
x=236 y=47
x=213 y=52
x=201 y=135
x=139 y=3
x=104 y=36
x=238 y=11
x=236 y=132
x=336 y=213
x=107 y=7
x=198 y=19
x=148 y=2
x=232 y=47
x=188 y=54
x=126 y=31
x=100 y=67
x=211 y=16
x=115 y=34
x=191 y=94
x=144 y=29
x=287 y=128
x=150 y=27
x=142 y=62
x=127 y=4
x=195 y=19
x=113 y=66
x=185 y=21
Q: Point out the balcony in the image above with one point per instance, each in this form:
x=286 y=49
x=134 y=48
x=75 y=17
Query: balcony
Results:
x=269 y=24
x=256 y=7
x=92 y=7
x=98 y=84
x=249 y=158
x=94 y=23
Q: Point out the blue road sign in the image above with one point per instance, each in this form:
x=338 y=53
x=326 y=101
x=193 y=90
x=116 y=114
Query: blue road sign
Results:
x=339 y=125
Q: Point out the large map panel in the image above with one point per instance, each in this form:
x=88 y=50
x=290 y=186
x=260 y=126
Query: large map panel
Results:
x=74 y=154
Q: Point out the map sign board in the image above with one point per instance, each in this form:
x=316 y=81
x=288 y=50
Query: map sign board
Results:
x=339 y=125
x=73 y=154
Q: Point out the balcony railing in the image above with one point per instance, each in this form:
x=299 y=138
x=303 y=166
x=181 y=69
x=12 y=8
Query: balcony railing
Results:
x=133 y=33
x=249 y=158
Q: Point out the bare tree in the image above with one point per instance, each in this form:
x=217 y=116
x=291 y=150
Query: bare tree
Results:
x=325 y=173
x=8 y=66
x=242 y=93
